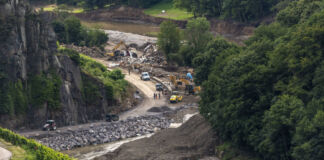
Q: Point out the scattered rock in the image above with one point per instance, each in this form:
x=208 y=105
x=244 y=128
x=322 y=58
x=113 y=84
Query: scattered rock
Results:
x=104 y=133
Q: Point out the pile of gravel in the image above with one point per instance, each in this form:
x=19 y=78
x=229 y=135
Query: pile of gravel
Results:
x=105 y=133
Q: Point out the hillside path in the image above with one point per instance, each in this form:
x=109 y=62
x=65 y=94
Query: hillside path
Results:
x=146 y=87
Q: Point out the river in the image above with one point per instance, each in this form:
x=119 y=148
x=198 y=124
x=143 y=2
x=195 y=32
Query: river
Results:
x=142 y=29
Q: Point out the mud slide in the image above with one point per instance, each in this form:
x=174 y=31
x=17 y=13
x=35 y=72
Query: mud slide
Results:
x=146 y=87
x=195 y=139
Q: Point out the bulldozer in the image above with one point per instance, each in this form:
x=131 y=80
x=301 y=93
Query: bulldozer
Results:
x=115 y=53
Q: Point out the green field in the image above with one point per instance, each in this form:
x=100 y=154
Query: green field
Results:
x=170 y=11
x=52 y=7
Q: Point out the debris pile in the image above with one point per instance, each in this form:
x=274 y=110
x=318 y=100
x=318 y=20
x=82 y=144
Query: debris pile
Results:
x=89 y=51
x=105 y=133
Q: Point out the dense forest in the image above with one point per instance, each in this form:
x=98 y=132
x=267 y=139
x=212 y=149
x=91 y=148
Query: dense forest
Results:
x=267 y=96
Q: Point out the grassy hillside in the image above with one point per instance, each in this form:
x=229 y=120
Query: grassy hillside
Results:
x=53 y=7
x=28 y=149
x=171 y=12
x=18 y=153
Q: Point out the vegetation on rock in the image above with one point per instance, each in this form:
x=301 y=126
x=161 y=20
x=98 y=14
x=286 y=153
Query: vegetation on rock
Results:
x=69 y=30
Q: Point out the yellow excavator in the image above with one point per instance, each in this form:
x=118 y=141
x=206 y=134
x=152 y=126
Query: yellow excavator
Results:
x=176 y=82
x=114 y=54
x=189 y=86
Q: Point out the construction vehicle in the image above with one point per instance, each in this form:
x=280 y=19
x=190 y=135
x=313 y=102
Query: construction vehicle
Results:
x=145 y=76
x=176 y=82
x=175 y=97
x=50 y=125
x=112 y=117
x=115 y=53
x=189 y=86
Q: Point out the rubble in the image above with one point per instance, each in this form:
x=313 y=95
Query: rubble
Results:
x=105 y=133
x=89 y=51
x=130 y=39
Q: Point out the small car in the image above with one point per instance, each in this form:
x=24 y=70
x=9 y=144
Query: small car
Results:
x=159 y=87
x=112 y=117
x=175 y=98
x=145 y=76
x=50 y=125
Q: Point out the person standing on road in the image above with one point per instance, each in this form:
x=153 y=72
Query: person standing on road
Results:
x=154 y=95
x=159 y=95
x=129 y=69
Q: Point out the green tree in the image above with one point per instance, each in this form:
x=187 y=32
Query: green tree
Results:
x=197 y=35
x=73 y=29
x=217 y=51
x=309 y=138
x=279 y=127
x=169 y=38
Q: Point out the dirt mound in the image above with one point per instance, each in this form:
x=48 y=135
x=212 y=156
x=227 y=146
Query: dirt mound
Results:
x=193 y=140
x=160 y=109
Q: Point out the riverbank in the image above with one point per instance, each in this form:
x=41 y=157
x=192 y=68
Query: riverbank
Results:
x=106 y=132
x=195 y=139
x=177 y=118
x=126 y=17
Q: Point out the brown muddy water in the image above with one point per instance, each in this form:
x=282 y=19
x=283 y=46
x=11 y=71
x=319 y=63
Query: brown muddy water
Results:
x=142 y=29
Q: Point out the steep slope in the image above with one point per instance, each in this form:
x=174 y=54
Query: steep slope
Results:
x=37 y=83
x=195 y=139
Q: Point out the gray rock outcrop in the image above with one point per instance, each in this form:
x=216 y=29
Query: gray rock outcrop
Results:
x=28 y=48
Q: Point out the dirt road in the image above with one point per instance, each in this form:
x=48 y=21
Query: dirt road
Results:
x=146 y=87
x=5 y=154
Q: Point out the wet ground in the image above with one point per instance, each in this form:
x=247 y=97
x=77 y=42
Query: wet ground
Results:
x=90 y=152
x=142 y=29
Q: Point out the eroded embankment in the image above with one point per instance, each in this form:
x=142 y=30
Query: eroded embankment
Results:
x=104 y=133
x=195 y=139
x=233 y=31
x=101 y=133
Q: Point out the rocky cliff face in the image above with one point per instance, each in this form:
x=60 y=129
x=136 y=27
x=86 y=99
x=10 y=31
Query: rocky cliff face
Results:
x=28 y=50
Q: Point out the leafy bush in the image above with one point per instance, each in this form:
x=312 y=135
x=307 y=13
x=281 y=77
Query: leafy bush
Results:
x=116 y=74
x=45 y=89
x=42 y=152
x=74 y=55
x=114 y=82
x=69 y=30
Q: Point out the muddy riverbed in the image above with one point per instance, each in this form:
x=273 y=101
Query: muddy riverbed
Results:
x=142 y=29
